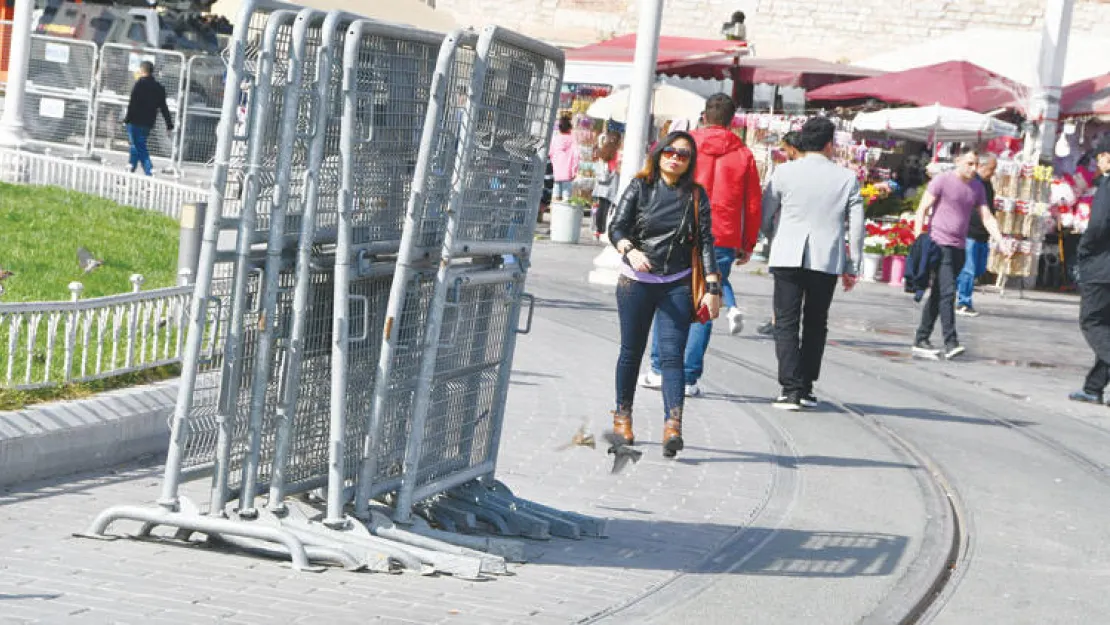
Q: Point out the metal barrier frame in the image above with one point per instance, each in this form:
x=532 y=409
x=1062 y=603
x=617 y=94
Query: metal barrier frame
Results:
x=67 y=95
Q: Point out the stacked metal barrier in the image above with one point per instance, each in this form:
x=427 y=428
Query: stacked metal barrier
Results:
x=357 y=343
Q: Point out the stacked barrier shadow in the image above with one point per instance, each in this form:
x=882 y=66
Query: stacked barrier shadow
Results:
x=353 y=353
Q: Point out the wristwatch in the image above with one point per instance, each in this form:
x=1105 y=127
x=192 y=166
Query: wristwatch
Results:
x=713 y=288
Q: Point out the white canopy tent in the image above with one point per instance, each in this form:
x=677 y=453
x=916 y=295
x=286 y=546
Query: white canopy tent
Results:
x=668 y=102
x=934 y=123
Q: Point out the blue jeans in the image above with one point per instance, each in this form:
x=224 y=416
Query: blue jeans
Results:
x=562 y=189
x=698 y=341
x=136 y=136
x=975 y=265
x=637 y=305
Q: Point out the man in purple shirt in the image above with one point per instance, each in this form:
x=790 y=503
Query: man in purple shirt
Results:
x=953 y=197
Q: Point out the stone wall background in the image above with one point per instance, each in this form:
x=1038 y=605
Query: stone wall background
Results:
x=829 y=29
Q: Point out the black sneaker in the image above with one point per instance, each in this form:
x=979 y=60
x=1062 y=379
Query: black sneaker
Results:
x=1085 y=397
x=966 y=311
x=808 y=400
x=925 y=349
x=953 y=350
x=788 y=401
x=766 y=329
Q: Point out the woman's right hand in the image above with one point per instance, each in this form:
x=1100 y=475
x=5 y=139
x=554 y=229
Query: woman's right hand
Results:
x=638 y=260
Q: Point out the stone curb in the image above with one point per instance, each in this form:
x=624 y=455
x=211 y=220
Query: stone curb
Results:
x=61 y=438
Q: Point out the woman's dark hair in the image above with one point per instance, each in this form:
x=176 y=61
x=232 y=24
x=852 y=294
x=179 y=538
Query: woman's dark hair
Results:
x=565 y=125
x=650 y=172
x=610 y=146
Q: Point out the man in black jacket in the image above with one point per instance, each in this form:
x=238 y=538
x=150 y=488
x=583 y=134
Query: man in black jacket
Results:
x=148 y=97
x=1094 y=282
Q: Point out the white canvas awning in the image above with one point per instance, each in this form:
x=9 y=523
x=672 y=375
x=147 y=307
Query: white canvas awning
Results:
x=409 y=12
x=936 y=123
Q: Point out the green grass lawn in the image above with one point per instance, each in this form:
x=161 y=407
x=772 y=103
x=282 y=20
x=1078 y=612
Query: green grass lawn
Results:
x=40 y=231
x=42 y=227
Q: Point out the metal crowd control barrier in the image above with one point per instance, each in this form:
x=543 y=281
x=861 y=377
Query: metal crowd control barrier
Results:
x=119 y=68
x=383 y=182
x=59 y=96
x=200 y=109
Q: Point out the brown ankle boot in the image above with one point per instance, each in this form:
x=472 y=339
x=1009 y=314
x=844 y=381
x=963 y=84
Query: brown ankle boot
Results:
x=672 y=434
x=622 y=425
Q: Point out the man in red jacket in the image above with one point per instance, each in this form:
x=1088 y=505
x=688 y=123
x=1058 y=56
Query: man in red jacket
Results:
x=726 y=168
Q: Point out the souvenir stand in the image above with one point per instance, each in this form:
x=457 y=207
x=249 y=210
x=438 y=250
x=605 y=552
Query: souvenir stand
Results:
x=1024 y=216
x=574 y=100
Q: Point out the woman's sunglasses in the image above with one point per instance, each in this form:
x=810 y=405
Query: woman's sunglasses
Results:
x=677 y=153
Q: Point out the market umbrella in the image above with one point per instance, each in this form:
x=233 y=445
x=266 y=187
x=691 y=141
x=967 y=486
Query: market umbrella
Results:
x=1086 y=97
x=957 y=84
x=786 y=72
x=929 y=124
x=668 y=102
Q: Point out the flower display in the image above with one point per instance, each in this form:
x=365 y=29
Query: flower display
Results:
x=889 y=240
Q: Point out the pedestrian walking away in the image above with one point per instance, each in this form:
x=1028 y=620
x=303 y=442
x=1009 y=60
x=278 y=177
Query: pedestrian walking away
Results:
x=947 y=204
x=663 y=231
x=148 y=97
x=564 y=159
x=978 y=241
x=806 y=204
x=790 y=149
x=727 y=171
x=1093 y=256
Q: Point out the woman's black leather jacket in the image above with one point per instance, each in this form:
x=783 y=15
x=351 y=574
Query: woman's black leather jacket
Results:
x=662 y=230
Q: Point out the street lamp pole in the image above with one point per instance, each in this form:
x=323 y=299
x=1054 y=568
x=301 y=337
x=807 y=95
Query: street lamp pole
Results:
x=12 y=132
x=1050 y=75
x=607 y=264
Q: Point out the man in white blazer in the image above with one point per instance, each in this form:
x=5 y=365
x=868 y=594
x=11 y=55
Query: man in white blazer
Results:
x=807 y=205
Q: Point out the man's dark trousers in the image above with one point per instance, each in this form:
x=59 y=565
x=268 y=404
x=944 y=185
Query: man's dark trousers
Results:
x=801 y=301
x=1094 y=320
x=942 y=297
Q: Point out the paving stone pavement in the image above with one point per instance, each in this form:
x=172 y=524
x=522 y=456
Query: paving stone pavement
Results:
x=669 y=520
x=666 y=517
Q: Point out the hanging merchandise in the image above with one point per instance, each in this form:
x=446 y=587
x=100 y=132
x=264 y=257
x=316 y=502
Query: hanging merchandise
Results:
x=1024 y=213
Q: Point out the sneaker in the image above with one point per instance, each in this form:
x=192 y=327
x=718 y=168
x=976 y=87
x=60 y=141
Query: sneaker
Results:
x=788 y=401
x=766 y=329
x=954 y=350
x=693 y=390
x=1085 y=397
x=808 y=400
x=925 y=349
x=735 y=321
x=967 y=311
x=651 y=380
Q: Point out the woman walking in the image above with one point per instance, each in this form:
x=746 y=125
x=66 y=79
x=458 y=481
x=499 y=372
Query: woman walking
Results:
x=607 y=180
x=662 y=220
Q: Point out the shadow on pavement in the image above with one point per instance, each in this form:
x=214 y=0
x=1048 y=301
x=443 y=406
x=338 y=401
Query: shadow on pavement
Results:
x=928 y=414
x=789 y=462
x=681 y=547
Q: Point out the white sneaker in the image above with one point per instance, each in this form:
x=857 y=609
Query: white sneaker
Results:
x=735 y=320
x=651 y=380
x=693 y=390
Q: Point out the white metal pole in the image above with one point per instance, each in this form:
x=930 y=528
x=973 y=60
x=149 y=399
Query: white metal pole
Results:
x=608 y=262
x=643 y=81
x=1050 y=73
x=12 y=133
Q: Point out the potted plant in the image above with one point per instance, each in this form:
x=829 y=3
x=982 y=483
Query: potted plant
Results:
x=874 y=248
x=900 y=237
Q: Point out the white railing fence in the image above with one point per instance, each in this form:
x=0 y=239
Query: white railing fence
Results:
x=53 y=343
x=154 y=194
